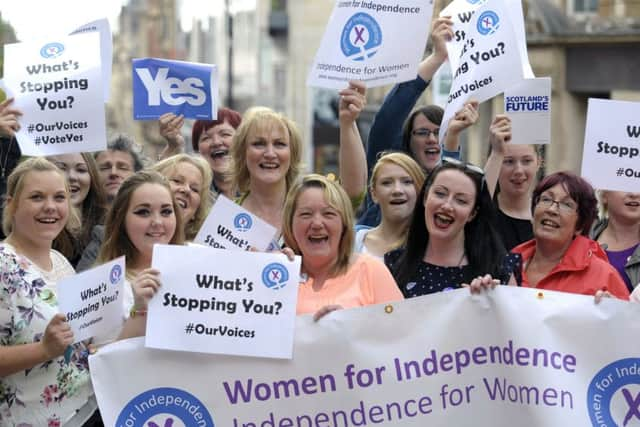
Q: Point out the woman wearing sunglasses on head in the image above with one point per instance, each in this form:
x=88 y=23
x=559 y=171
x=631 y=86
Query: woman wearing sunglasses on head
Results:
x=560 y=256
x=451 y=239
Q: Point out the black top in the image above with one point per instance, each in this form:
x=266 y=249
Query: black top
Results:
x=9 y=158
x=428 y=278
x=512 y=231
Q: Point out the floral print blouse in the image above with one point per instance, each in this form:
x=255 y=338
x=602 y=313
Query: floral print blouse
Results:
x=48 y=394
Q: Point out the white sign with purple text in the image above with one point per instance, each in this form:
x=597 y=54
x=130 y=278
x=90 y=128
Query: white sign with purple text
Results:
x=230 y=226
x=362 y=40
x=536 y=358
x=224 y=302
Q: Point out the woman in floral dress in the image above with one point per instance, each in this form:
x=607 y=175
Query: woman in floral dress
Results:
x=44 y=380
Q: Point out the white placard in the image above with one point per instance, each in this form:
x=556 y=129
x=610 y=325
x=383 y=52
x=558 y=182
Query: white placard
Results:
x=224 y=302
x=375 y=41
x=509 y=358
x=57 y=85
x=230 y=226
x=461 y=13
x=490 y=60
x=106 y=49
x=611 y=156
x=528 y=105
x=92 y=301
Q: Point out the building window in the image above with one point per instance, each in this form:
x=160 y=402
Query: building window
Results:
x=585 y=6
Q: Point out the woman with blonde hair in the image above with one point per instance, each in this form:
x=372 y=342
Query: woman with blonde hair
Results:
x=190 y=178
x=318 y=225
x=396 y=180
x=38 y=363
x=267 y=156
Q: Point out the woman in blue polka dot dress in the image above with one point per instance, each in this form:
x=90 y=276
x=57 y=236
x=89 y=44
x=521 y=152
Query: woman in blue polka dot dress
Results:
x=452 y=239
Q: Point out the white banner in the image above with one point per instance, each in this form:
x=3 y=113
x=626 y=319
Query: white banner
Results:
x=224 y=302
x=376 y=41
x=528 y=105
x=490 y=61
x=611 y=156
x=514 y=357
x=230 y=226
x=57 y=85
x=92 y=301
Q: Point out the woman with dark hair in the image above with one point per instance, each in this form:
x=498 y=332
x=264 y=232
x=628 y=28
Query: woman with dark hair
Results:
x=211 y=138
x=561 y=257
x=451 y=240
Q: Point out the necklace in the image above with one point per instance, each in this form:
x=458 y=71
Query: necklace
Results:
x=3 y=165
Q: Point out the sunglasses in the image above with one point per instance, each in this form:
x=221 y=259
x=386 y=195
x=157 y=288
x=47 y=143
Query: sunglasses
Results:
x=467 y=166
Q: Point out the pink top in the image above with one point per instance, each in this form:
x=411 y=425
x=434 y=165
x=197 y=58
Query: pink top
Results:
x=366 y=282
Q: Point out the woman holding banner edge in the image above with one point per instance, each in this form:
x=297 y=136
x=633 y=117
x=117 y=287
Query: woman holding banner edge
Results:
x=561 y=257
x=318 y=225
x=38 y=364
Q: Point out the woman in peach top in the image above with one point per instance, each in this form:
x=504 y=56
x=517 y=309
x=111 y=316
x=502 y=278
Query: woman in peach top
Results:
x=318 y=224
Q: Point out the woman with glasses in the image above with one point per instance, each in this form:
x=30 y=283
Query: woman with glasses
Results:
x=561 y=257
x=451 y=239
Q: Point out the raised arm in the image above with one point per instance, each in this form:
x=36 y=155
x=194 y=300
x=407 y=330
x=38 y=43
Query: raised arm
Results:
x=464 y=118
x=386 y=128
x=171 y=130
x=353 y=163
x=499 y=135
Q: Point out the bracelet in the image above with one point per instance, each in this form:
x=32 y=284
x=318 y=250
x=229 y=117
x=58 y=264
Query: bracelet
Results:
x=136 y=313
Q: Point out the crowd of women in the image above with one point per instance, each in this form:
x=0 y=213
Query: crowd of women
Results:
x=428 y=222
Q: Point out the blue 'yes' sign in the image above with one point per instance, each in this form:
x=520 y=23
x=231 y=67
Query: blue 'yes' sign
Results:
x=161 y=86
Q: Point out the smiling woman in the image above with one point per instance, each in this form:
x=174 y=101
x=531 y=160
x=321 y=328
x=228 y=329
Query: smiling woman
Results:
x=561 y=257
x=143 y=213
x=451 y=239
x=189 y=178
x=34 y=336
x=318 y=224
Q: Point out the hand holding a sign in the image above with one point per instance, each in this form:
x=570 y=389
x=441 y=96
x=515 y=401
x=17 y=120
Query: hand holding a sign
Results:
x=441 y=33
x=57 y=337
x=171 y=130
x=481 y=283
x=9 y=124
x=352 y=101
x=499 y=133
x=145 y=286
x=465 y=117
